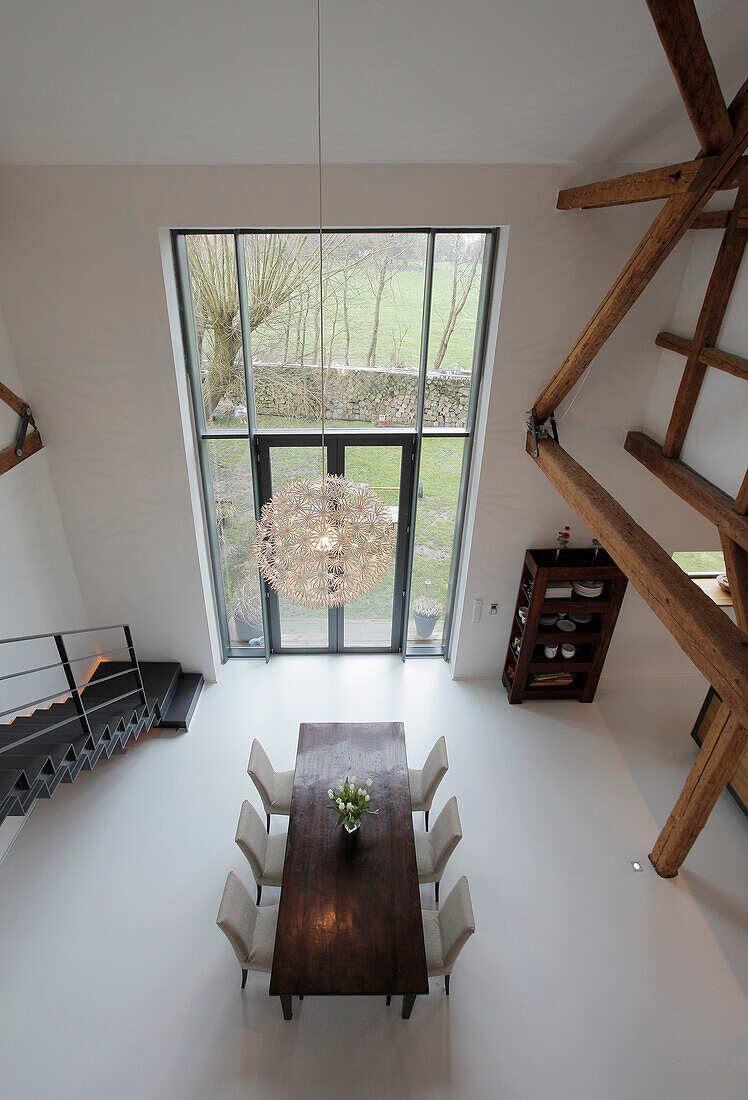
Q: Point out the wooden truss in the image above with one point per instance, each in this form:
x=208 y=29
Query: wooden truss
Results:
x=26 y=443
x=716 y=646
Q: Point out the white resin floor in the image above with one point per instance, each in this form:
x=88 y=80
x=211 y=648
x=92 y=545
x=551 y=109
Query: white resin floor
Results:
x=584 y=979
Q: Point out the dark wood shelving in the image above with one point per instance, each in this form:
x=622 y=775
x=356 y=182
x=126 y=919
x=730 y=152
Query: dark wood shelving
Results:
x=591 y=639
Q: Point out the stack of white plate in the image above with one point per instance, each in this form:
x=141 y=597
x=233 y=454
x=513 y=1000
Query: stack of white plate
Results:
x=566 y=625
x=588 y=588
x=548 y=619
x=581 y=617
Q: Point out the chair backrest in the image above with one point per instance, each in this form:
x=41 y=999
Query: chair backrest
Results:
x=456 y=922
x=435 y=768
x=236 y=917
x=445 y=835
x=262 y=773
x=252 y=838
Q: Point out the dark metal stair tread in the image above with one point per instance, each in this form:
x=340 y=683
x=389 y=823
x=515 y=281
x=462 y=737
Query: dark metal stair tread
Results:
x=8 y=781
x=185 y=699
x=57 y=752
x=159 y=679
x=33 y=766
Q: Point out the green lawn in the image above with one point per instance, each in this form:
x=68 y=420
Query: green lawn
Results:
x=441 y=464
x=700 y=561
x=400 y=323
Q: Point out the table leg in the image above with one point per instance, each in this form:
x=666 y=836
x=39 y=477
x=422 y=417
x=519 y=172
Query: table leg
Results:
x=285 y=1000
x=409 y=999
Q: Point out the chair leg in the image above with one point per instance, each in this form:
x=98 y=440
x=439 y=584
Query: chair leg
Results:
x=244 y=978
x=259 y=893
x=268 y=817
x=389 y=1000
x=436 y=894
x=446 y=984
x=301 y=996
x=427 y=820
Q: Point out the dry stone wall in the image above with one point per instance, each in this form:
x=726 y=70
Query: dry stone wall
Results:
x=373 y=395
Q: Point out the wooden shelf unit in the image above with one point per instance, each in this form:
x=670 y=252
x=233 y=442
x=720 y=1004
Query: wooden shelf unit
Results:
x=591 y=639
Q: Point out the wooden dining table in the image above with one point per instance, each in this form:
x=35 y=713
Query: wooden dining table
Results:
x=349 y=921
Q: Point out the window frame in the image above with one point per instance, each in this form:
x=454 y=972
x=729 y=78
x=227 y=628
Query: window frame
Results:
x=204 y=434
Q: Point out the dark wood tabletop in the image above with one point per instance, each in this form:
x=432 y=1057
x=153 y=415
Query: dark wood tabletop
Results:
x=350 y=908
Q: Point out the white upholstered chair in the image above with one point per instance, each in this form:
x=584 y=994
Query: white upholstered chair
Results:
x=434 y=849
x=275 y=788
x=446 y=931
x=264 y=853
x=249 y=928
x=423 y=783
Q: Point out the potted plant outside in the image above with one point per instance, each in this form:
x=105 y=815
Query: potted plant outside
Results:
x=426 y=612
x=248 y=613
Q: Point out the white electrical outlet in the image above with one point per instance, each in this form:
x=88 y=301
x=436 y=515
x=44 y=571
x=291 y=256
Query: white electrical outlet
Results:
x=477 y=610
x=494 y=609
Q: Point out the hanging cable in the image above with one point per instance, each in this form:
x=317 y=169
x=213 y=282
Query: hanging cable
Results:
x=319 y=194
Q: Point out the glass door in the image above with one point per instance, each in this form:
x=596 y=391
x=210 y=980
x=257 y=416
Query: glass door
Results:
x=374 y=622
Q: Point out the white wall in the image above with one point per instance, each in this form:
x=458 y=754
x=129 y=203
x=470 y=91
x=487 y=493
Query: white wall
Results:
x=81 y=281
x=716 y=440
x=40 y=589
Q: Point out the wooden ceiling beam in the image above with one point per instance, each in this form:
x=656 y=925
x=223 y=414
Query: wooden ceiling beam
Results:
x=708 y=357
x=708 y=499
x=711 y=219
x=741 y=500
x=682 y=38
x=717 y=647
x=658 y=242
x=655 y=183
x=708 y=326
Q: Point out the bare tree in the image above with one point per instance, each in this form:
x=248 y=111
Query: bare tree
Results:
x=279 y=267
x=378 y=279
x=463 y=276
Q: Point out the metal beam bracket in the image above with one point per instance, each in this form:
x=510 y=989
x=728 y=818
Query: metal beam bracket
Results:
x=23 y=427
x=540 y=431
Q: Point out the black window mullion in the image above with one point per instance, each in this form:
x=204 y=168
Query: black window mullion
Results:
x=241 y=282
x=425 y=330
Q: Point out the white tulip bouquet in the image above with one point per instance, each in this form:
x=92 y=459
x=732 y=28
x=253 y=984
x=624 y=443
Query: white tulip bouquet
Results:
x=351 y=803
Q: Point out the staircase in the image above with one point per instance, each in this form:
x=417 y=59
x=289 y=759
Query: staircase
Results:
x=119 y=701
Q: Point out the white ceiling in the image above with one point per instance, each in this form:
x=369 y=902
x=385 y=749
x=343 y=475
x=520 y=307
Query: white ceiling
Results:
x=404 y=81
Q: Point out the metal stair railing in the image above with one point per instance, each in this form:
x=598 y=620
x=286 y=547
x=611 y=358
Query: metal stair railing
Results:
x=75 y=690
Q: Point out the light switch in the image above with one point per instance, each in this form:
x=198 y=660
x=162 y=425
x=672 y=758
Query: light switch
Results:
x=477 y=610
x=494 y=609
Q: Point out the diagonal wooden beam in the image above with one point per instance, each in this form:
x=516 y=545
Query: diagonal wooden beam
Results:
x=708 y=357
x=655 y=183
x=8 y=457
x=12 y=399
x=657 y=244
x=712 y=313
x=680 y=32
x=721 y=753
x=715 y=766
x=706 y=498
x=736 y=566
x=717 y=647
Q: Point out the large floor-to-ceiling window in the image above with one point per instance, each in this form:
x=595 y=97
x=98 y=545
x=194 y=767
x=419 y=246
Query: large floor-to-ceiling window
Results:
x=401 y=329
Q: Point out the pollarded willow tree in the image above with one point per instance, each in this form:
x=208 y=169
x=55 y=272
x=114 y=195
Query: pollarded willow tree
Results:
x=281 y=269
